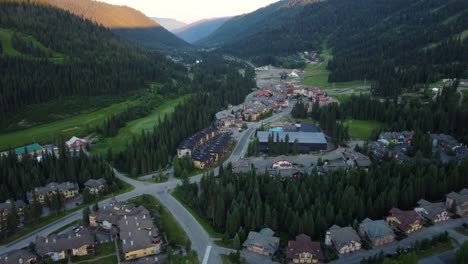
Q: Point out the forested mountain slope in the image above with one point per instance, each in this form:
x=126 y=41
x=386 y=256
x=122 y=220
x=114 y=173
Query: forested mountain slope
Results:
x=93 y=60
x=398 y=43
x=127 y=22
x=200 y=29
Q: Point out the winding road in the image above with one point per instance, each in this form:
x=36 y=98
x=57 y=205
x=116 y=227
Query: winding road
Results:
x=202 y=243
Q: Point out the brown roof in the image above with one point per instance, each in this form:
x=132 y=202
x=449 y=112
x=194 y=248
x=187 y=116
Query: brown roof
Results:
x=405 y=217
x=302 y=244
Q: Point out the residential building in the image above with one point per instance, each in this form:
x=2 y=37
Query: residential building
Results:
x=95 y=186
x=458 y=202
x=354 y=158
x=262 y=242
x=281 y=162
x=58 y=247
x=32 y=149
x=243 y=166
x=343 y=239
x=18 y=256
x=304 y=250
x=69 y=191
x=188 y=146
x=377 y=232
x=405 y=222
x=396 y=137
x=286 y=173
x=75 y=143
x=434 y=212
x=306 y=141
x=5 y=208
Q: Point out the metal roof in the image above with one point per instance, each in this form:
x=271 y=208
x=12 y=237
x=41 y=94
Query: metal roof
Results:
x=302 y=137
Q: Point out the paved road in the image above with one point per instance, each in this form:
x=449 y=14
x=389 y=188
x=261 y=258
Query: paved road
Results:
x=419 y=235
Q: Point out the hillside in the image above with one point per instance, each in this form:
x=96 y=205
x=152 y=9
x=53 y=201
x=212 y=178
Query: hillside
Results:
x=197 y=30
x=86 y=60
x=127 y=22
x=169 y=23
x=400 y=45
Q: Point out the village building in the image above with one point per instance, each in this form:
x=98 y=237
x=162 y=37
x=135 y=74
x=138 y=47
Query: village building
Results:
x=332 y=166
x=69 y=191
x=262 y=242
x=396 y=137
x=434 y=212
x=354 y=158
x=343 y=239
x=95 y=186
x=405 y=222
x=377 y=232
x=134 y=226
x=304 y=250
x=458 y=202
x=188 y=146
x=32 y=149
x=281 y=162
x=449 y=148
x=306 y=141
x=212 y=151
x=286 y=173
x=7 y=206
x=243 y=166
x=75 y=143
x=18 y=256
x=58 y=247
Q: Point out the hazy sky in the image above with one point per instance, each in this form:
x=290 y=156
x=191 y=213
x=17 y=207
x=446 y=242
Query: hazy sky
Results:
x=191 y=10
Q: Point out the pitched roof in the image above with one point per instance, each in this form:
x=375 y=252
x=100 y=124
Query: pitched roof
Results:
x=72 y=141
x=137 y=232
x=63 y=242
x=302 y=244
x=431 y=209
x=265 y=238
x=14 y=256
x=375 y=229
x=406 y=218
x=281 y=158
x=93 y=183
x=342 y=236
x=460 y=197
x=53 y=186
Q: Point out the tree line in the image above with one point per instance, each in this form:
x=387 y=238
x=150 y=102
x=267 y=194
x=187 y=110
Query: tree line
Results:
x=236 y=204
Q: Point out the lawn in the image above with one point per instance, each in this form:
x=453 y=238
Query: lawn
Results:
x=47 y=133
x=135 y=127
x=361 y=129
x=6 y=40
x=317 y=75
x=106 y=260
x=440 y=248
x=101 y=250
x=341 y=97
x=208 y=228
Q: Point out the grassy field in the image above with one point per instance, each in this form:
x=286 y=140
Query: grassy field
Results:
x=135 y=127
x=341 y=97
x=106 y=260
x=317 y=75
x=66 y=128
x=6 y=40
x=361 y=129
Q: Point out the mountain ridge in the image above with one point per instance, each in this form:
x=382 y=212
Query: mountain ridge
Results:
x=197 y=30
x=171 y=24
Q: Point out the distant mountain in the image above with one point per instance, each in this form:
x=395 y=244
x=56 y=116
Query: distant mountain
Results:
x=400 y=44
x=126 y=22
x=200 y=29
x=169 y=23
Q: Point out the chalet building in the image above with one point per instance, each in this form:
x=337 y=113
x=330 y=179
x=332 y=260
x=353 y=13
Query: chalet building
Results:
x=32 y=150
x=213 y=151
x=59 y=247
x=281 y=162
x=286 y=173
x=6 y=207
x=307 y=141
x=188 y=146
x=18 y=256
x=304 y=250
x=434 y=212
x=405 y=222
x=343 y=239
x=377 y=232
x=243 y=166
x=396 y=137
x=75 y=143
x=69 y=191
x=95 y=186
x=458 y=202
x=134 y=226
x=262 y=242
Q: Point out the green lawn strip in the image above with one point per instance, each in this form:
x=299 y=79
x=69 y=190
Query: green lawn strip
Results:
x=100 y=250
x=106 y=260
x=135 y=127
x=66 y=128
x=5 y=38
x=166 y=222
x=74 y=223
x=440 y=248
x=191 y=258
x=225 y=259
x=361 y=129
x=52 y=218
x=341 y=97
x=224 y=244
x=461 y=230
x=208 y=228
